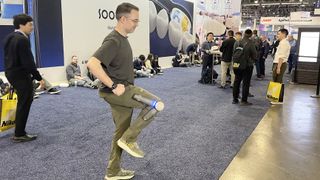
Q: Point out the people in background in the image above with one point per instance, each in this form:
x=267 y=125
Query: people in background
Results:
x=148 y=65
x=264 y=51
x=155 y=65
x=207 y=55
x=292 y=60
x=281 y=57
x=244 y=75
x=238 y=36
x=181 y=60
x=139 y=68
x=20 y=70
x=192 y=51
x=258 y=43
x=75 y=78
x=226 y=61
x=48 y=88
x=275 y=45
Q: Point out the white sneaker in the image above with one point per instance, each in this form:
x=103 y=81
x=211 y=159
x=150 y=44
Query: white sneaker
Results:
x=276 y=103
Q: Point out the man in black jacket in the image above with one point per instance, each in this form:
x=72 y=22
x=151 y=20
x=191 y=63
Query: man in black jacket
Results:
x=20 y=70
x=207 y=56
x=226 y=62
x=264 y=51
x=250 y=54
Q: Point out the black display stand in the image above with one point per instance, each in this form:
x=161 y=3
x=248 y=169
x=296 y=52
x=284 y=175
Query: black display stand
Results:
x=318 y=86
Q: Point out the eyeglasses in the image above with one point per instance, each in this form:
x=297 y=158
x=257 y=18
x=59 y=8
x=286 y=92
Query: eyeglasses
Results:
x=133 y=20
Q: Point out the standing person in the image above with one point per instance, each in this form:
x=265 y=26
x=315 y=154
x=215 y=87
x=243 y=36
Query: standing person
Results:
x=207 y=57
x=275 y=45
x=20 y=71
x=281 y=57
x=292 y=60
x=226 y=62
x=264 y=51
x=258 y=43
x=112 y=64
x=249 y=54
x=238 y=36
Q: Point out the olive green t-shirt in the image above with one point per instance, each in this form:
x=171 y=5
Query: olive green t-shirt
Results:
x=116 y=57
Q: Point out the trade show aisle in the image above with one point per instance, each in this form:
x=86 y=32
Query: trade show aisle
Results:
x=195 y=137
x=285 y=144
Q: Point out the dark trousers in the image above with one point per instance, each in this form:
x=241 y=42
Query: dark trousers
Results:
x=292 y=60
x=207 y=61
x=24 y=90
x=278 y=77
x=245 y=76
x=257 y=64
x=262 y=66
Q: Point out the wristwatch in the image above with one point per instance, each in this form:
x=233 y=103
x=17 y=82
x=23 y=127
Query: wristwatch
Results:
x=114 y=86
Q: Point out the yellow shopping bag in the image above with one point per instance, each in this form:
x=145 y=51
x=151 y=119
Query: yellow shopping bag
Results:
x=8 y=109
x=275 y=92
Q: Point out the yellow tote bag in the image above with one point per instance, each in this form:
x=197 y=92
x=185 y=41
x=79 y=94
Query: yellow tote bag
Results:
x=275 y=92
x=8 y=109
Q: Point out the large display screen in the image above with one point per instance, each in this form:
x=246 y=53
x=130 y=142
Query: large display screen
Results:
x=308 y=40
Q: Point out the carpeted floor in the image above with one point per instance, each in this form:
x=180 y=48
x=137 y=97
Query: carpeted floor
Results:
x=194 y=138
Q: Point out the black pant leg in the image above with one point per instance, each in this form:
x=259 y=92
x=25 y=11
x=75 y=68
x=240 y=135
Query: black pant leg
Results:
x=204 y=66
x=24 y=90
x=206 y=62
x=262 y=66
x=247 y=74
x=237 y=82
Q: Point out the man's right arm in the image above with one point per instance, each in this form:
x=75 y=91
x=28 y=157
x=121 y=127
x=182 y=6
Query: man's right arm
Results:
x=96 y=69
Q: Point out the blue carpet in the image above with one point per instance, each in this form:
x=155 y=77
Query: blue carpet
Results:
x=195 y=137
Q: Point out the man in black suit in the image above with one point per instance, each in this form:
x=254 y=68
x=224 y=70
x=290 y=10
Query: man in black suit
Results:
x=20 y=70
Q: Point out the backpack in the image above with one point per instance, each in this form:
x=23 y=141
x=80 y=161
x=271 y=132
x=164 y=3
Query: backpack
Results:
x=239 y=61
x=208 y=77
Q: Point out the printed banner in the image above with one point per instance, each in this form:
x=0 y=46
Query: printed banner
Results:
x=171 y=23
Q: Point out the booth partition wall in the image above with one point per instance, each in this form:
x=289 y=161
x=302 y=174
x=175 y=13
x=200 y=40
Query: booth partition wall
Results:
x=307 y=66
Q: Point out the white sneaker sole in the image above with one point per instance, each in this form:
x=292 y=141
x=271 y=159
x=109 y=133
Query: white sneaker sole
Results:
x=118 y=177
x=127 y=149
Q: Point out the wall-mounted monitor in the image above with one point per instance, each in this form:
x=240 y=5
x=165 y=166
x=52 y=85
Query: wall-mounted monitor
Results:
x=309 y=46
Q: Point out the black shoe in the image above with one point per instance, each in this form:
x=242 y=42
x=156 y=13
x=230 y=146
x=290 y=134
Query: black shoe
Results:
x=231 y=87
x=201 y=81
x=54 y=91
x=250 y=95
x=25 y=138
x=222 y=87
x=245 y=103
x=235 y=101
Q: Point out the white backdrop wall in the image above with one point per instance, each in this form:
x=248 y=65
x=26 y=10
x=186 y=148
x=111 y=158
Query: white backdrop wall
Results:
x=84 y=31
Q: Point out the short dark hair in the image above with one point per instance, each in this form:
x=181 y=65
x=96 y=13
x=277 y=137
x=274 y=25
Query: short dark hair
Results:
x=142 y=57
x=21 y=19
x=125 y=8
x=248 y=32
x=231 y=33
x=239 y=33
x=255 y=32
x=284 y=31
x=209 y=34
